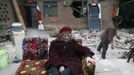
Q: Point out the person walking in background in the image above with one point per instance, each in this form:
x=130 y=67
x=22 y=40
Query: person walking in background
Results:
x=65 y=55
x=107 y=36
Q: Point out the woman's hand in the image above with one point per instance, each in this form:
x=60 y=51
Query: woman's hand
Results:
x=62 y=68
x=90 y=60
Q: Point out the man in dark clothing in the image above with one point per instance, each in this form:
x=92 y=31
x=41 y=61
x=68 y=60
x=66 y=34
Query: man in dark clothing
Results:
x=107 y=36
x=65 y=55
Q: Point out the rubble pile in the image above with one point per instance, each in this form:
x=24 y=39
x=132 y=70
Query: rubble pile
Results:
x=124 y=36
x=89 y=39
x=92 y=40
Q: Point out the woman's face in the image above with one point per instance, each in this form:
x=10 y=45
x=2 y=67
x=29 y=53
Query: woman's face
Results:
x=66 y=36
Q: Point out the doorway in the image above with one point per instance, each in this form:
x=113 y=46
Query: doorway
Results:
x=93 y=16
x=28 y=16
x=128 y=17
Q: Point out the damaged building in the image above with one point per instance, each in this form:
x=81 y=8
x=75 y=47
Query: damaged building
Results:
x=57 y=13
x=73 y=13
x=89 y=14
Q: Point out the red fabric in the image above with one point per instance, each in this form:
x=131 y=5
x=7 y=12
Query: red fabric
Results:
x=65 y=29
x=39 y=15
x=33 y=47
x=114 y=10
x=30 y=1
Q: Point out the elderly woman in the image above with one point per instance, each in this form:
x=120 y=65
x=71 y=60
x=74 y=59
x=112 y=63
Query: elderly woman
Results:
x=65 y=55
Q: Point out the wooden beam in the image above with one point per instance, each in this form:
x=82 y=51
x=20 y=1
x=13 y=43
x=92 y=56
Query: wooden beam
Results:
x=18 y=13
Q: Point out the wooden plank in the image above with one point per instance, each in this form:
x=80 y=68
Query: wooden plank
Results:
x=19 y=15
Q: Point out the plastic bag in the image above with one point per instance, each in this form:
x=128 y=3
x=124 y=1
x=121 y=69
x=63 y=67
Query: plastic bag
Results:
x=40 y=27
x=3 y=59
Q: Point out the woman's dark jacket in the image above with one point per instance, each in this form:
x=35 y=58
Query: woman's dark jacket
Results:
x=68 y=54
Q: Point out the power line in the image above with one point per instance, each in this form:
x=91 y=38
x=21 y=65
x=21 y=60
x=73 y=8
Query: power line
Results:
x=127 y=3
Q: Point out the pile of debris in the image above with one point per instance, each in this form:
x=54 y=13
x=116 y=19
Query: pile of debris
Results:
x=124 y=36
x=89 y=39
x=92 y=39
